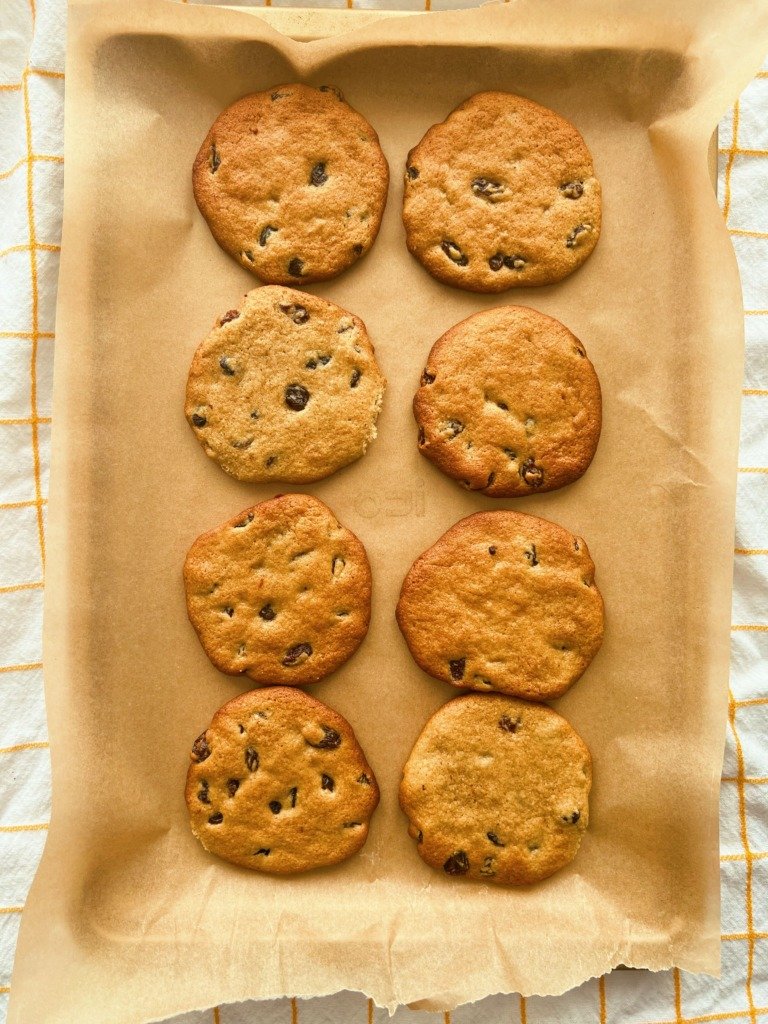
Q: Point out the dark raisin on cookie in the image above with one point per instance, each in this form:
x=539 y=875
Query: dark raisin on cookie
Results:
x=457 y=667
x=507 y=724
x=330 y=741
x=487 y=189
x=298 y=314
x=427 y=377
x=318 y=176
x=326 y=782
x=251 y=759
x=495 y=839
x=531 y=555
x=231 y=314
x=265 y=233
x=296 y=267
x=354 y=380
x=412 y=172
x=198 y=420
x=227 y=367
x=455 y=427
x=457 y=864
x=215 y=158
x=573 y=189
x=332 y=88
x=275 y=806
x=454 y=253
x=573 y=236
x=532 y=474
x=232 y=786
x=297 y=654
x=267 y=612
x=202 y=794
x=296 y=397
x=200 y=748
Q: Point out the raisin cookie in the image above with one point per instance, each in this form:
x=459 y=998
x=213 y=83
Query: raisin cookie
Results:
x=292 y=183
x=502 y=194
x=503 y=601
x=285 y=388
x=278 y=783
x=497 y=789
x=509 y=404
x=281 y=592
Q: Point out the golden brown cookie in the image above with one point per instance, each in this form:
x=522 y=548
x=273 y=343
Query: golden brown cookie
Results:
x=502 y=194
x=278 y=783
x=503 y=601
x=292 y=183
x=281 y=592
x=509 y=403
x=285 y=388
x=497 y=789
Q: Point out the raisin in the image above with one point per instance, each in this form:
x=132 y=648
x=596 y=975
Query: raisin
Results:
x=229 y=611
x=232 y=786
x=330 y=741
x=455 y=427
x=354 y=380
x=357 y=249
x=573 y=237
x=572 y=190
x=422 y=437
x=337 y=566
x=457 y=668
x=495 y=839
x=491 y=551
x=216 y=819
x=364 y=780
x=200 y=748
x=294 y=793
x=324 y=360
x=264 y=851
x=507 y=724
x=278 y=95
x=296 y=397
x=275 y=806
x=265 y=233
x=198 y=420
x=575 y=545
x=487 y=189
x=510 y=454
x=231 y=314
x=227 y=367
x=298 y=314
x=267 y=613
x=246 y=442
x=318 y=176
x=532 y=474
x=457 y=864
x=531 y=555
x=311 y=364
x=487 y=866
x=496 y=262
x=491 y=478
x=215 y=158
x=427 y=377
x=352 y=824
x=454 y=253
x=514 y=262
x=247 y=255
x=244 y=522
x=420 y=837
x=412 y=172
x=296 y=267
x=202 y=795
x=270 y=461
x=571 y=819
x=327 y=782
x=332 y=88
x=251 y=759
x=295 y=655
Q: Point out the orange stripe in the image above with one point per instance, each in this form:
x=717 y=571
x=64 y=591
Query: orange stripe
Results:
x=42 y=745
x=748 y=780
x=46 y=74
x=756 y=627
x=294 y=1012
x=729 y=164
x=751 y=703
x=750 y=551
x=38 y=246
x=446 y=1017
x=743 y=856
x=742 y=232
x=370 y=1011
x=756 y=312
x=678 y=996
x=601 y=992
x=11 y=910
x=21 y=421
x=10 y=86
x=753 y=469
x=523 y=1011
x=26 y=335
x=24 y=828
x=747 y=852
x=743 y=152
x=23 y=504
x=5 y=988
x=740 y=936
x=35 y=318
x=21 y=668
x=754 y=391
x=25 y=159
x=16 y=587
x=216 y=1015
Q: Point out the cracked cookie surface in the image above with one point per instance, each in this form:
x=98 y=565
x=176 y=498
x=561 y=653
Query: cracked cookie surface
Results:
x=292 y=183
x=280 y=592
x=285 y=388
x=503 y=601
x=278 y=783
x=509 y=403
x=496 y=789
x=502 y=194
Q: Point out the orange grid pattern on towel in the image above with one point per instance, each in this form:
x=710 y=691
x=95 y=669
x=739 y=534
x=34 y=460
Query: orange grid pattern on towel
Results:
x=31 y=177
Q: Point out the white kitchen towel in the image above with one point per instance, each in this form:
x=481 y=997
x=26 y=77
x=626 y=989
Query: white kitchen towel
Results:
x=32 y=85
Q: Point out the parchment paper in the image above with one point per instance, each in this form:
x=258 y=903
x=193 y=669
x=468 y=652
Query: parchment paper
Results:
x=129 y=919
